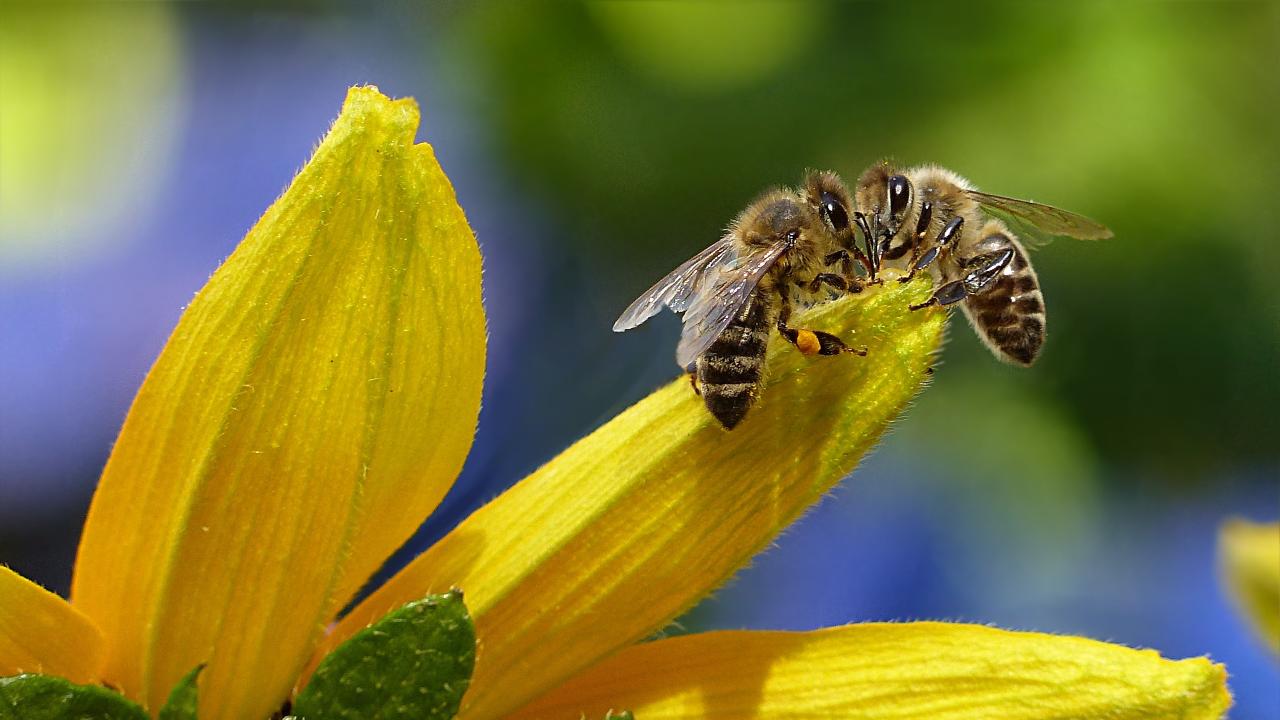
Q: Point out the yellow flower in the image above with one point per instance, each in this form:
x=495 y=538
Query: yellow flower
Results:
x=318 y=398
x=1249 y=555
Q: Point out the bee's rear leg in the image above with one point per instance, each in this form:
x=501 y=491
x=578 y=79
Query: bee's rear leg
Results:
x=950 y=293
x=692 y=372
x=817 y=342
x=810 y=342
x=979 y=273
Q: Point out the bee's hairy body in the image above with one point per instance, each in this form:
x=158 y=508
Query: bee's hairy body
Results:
x=1009 y=316
x=788 y=247
x=1005 y=305
x=794 y=246
x=730 y=371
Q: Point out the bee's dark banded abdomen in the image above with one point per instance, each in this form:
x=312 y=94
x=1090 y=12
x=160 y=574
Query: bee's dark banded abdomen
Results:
x=729 y=372
x=1009 y=313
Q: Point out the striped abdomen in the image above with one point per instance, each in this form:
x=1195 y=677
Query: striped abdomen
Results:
x=729 y=372
x=1009 y=313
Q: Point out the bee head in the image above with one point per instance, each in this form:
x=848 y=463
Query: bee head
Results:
x=885 y=196
x=829 y=198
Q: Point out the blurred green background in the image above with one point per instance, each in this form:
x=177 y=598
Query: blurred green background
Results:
x=595 y=146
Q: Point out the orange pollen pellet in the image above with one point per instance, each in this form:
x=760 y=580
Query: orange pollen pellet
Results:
x=807 y=342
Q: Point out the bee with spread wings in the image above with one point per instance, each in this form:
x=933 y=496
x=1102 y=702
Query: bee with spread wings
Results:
x=786 y=247
x=930 y=218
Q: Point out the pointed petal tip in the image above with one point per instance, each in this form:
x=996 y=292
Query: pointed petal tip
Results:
x=365 y=103
x=293 y=392
x=944 y=671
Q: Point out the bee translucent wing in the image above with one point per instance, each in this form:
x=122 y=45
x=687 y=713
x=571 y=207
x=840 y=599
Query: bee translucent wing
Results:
x=715 y=305
x=1048 y=220
x=678 y=287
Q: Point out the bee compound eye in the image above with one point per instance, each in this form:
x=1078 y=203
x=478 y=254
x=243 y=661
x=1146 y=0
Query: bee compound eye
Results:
x=899 y=194
x=834 y=212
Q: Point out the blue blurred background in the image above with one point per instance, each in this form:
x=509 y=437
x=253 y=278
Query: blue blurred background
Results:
x=596 y=146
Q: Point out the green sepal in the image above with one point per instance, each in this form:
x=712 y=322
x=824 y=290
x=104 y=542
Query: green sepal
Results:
x=413 y=664
x=184 y=698
x=45 y=697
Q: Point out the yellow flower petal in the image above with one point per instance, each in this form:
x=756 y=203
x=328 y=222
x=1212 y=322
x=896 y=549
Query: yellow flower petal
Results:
x=41 y=633
x=314 y=403
x=939 y=671
x=636 y=522
x=1250 y=560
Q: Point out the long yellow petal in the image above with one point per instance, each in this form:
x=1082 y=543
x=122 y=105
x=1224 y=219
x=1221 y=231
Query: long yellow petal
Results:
x=41 y=633
x=636 y=522
x=1250 y=559
x=314 y=403
x=887 y=671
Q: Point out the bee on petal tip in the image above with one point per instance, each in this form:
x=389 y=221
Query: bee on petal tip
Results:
x=791 y=247
x=929 y=218
x=788 y=247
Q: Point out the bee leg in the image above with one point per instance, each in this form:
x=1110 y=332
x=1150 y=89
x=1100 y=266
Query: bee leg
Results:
x=837 y=282
x=982 y=270
x=943 y=245
x=921 y=263
x=946 y=241
x=918 y=240
x=846 y=261
x=952 y=292
x=805 y=341
x=811 y=342
x=692 y=372
x=827 y=344
x=853 y=282
x=979 y=273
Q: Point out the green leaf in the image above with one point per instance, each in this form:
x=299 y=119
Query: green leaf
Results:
x=413 y=664
x=622 y=715
x=44 y=697
x=183 y=699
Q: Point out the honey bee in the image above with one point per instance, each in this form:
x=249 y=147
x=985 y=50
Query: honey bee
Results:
x=931 y=218
x=784 y=249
